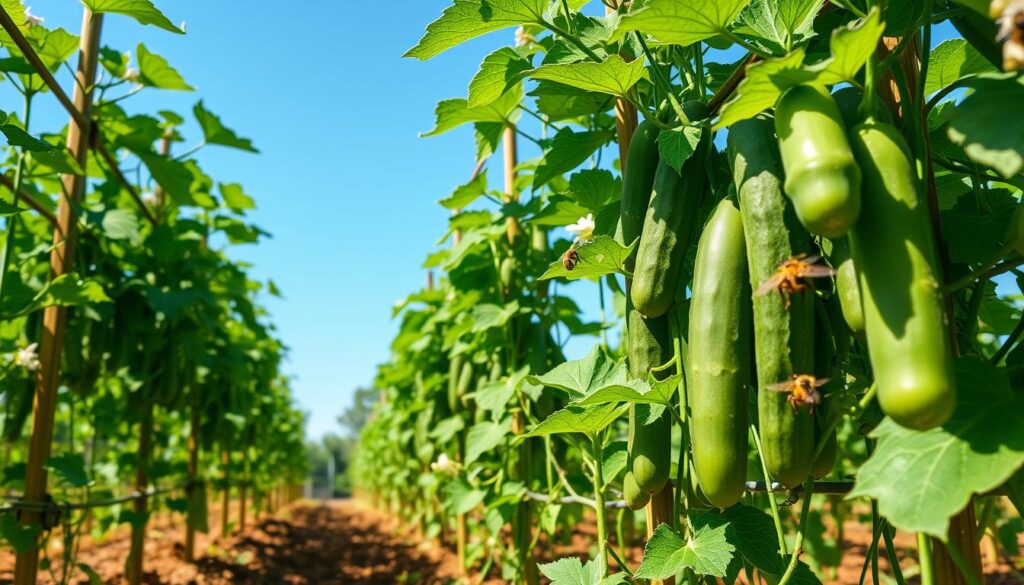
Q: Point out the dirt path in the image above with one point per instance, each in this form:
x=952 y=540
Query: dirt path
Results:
x=347 y=542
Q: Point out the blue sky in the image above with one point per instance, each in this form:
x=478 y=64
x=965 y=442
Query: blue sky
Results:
x=344 y=183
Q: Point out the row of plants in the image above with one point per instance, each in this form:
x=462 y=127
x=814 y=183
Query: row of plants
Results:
x=806 y=256
x=138 y=348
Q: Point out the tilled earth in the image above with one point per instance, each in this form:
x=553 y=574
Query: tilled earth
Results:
x=347 y=542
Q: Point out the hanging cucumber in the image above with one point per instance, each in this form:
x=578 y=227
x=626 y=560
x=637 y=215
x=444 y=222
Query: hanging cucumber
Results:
x=454 y=372
x=668 y=230
x=783 y=336
x=635 y=497
x=637 y=182
x=650 y=426
x=895 y=256
x=822 y=178
x=718 y=357
x=847 y=287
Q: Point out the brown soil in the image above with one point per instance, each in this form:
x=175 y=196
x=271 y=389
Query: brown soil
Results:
x=347 y=542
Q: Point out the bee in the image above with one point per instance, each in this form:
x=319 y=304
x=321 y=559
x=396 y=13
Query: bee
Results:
x=802 y=390
x=570 y=259
x=789 y=275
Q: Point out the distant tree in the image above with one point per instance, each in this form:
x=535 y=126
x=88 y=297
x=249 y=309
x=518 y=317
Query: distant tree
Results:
x=355 y=416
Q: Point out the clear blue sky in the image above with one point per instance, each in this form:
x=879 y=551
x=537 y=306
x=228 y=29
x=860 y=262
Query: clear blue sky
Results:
x=344 y=183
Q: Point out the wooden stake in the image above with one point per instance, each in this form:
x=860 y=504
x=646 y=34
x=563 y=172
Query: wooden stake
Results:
x=659 y=511
x=192 y=491
x=134 y=565
x=225 y=508
x=55 y=318
x=511 y=158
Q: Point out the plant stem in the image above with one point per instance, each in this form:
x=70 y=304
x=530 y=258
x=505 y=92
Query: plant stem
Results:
x=985 y=517
x=571 y=38
x=794 y=559
x=751 y=48
x=698 y=64
x=661 y=80
x=602 y=535
x=991 y=268
x=568 y=17
x=935 y=99
x=1011 y=340
x=12 y=220
x=771 y=493
x=926 y=51
x=890 y=552
x=961 y=563
x=924 y=559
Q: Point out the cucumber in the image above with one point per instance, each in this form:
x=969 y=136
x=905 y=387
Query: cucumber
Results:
x=827 y=346
x=783 y=339
x=847 y=287
x=454 y=371
x=650 y=426
x=718 y=357
x=667 y=232
x=462 y=385
x=637 y=182
x=822 y=178
x=635 y=497
x=895 y=256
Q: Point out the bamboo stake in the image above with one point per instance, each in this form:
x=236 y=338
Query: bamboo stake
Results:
x=134 y=564
x=61 y=262
x=511 y=158
x=225 y=508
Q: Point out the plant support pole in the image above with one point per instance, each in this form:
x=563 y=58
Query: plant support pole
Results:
x=55 y=317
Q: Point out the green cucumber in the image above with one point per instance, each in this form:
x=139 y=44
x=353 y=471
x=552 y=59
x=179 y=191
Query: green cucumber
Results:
x=822 y=178
x=895 y=256
x=667 y=232
x=637 y=183
x=635 y=497
x=718 y=357
x=783 y=338
x=847 y=287
x=828 y=344
x=650 y=426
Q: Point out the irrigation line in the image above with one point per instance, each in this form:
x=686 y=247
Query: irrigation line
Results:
x=96 y=143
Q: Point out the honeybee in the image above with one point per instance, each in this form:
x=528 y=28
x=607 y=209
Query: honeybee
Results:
x=789 y=275
x=802 y=390
x=570 y=259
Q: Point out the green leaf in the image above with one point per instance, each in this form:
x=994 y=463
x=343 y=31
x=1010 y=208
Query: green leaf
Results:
x=21 y=538
x=677 y=145
x=595 y=188
x=952 y=60
x=921 y=479
x=460 y=497
x=69 y=469
x=466 y=194
x=451 y=114
x=170 y=174
x=141 y=10
x=488 y=316
x=577 y=419
x=850 y=46
x=761 y=87
x=58 y=160
x=214 y=131
x=613 y=76
x=8 y=209
x=235 y=198
x=559 y=211
x=498 y=73
x=483 y=437
x=601 y=256
x=154 y=71
x=16 y=136
x=68 y=290
x=634 y=392
x=467 y=19
x=667 y=553
x=989 y=123
x=94 y=577
x=572 y=571
x=445 y=430
x=121 y=224
x=580 y=378
x=780 y=22
x=569 y=150
x=681 y=23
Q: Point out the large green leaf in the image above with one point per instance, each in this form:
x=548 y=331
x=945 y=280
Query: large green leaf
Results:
x=613 y=76
x=69 y=468
x=467 y=19
x=634 y=392
x=466 y=194
x=921 y=479
x=989 y=123
x=677 y=144
x=214 y=131
x=601 y=256
x=572 y=571
x=451 y=114
x=488 y=316
x=681 y=23
x=141 y=10
x=155 y=71
x=569 y=150
x=460 y=497
x=951 y=60
x=850 y=47
x=577 y=419
x=483 y=437
x=761 y=87
x=667 y=553
x=582 y=377
x=779 y=23
x=498 y=73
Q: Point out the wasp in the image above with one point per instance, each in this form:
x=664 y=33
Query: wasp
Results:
x=789 y=275
x=570 y=259
x=802 y=390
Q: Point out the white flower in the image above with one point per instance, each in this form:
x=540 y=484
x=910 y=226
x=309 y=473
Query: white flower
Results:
x=27 y=358
x=149 y=198
x=30 y=18
x=523 y=37
x=130 y=74
x=445 y=465
x=583 y=228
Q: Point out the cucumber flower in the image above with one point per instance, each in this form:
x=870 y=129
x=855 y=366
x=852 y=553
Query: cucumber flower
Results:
x=27 y=357
x=445 y=465
x=583 y=228
x=32 y=19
